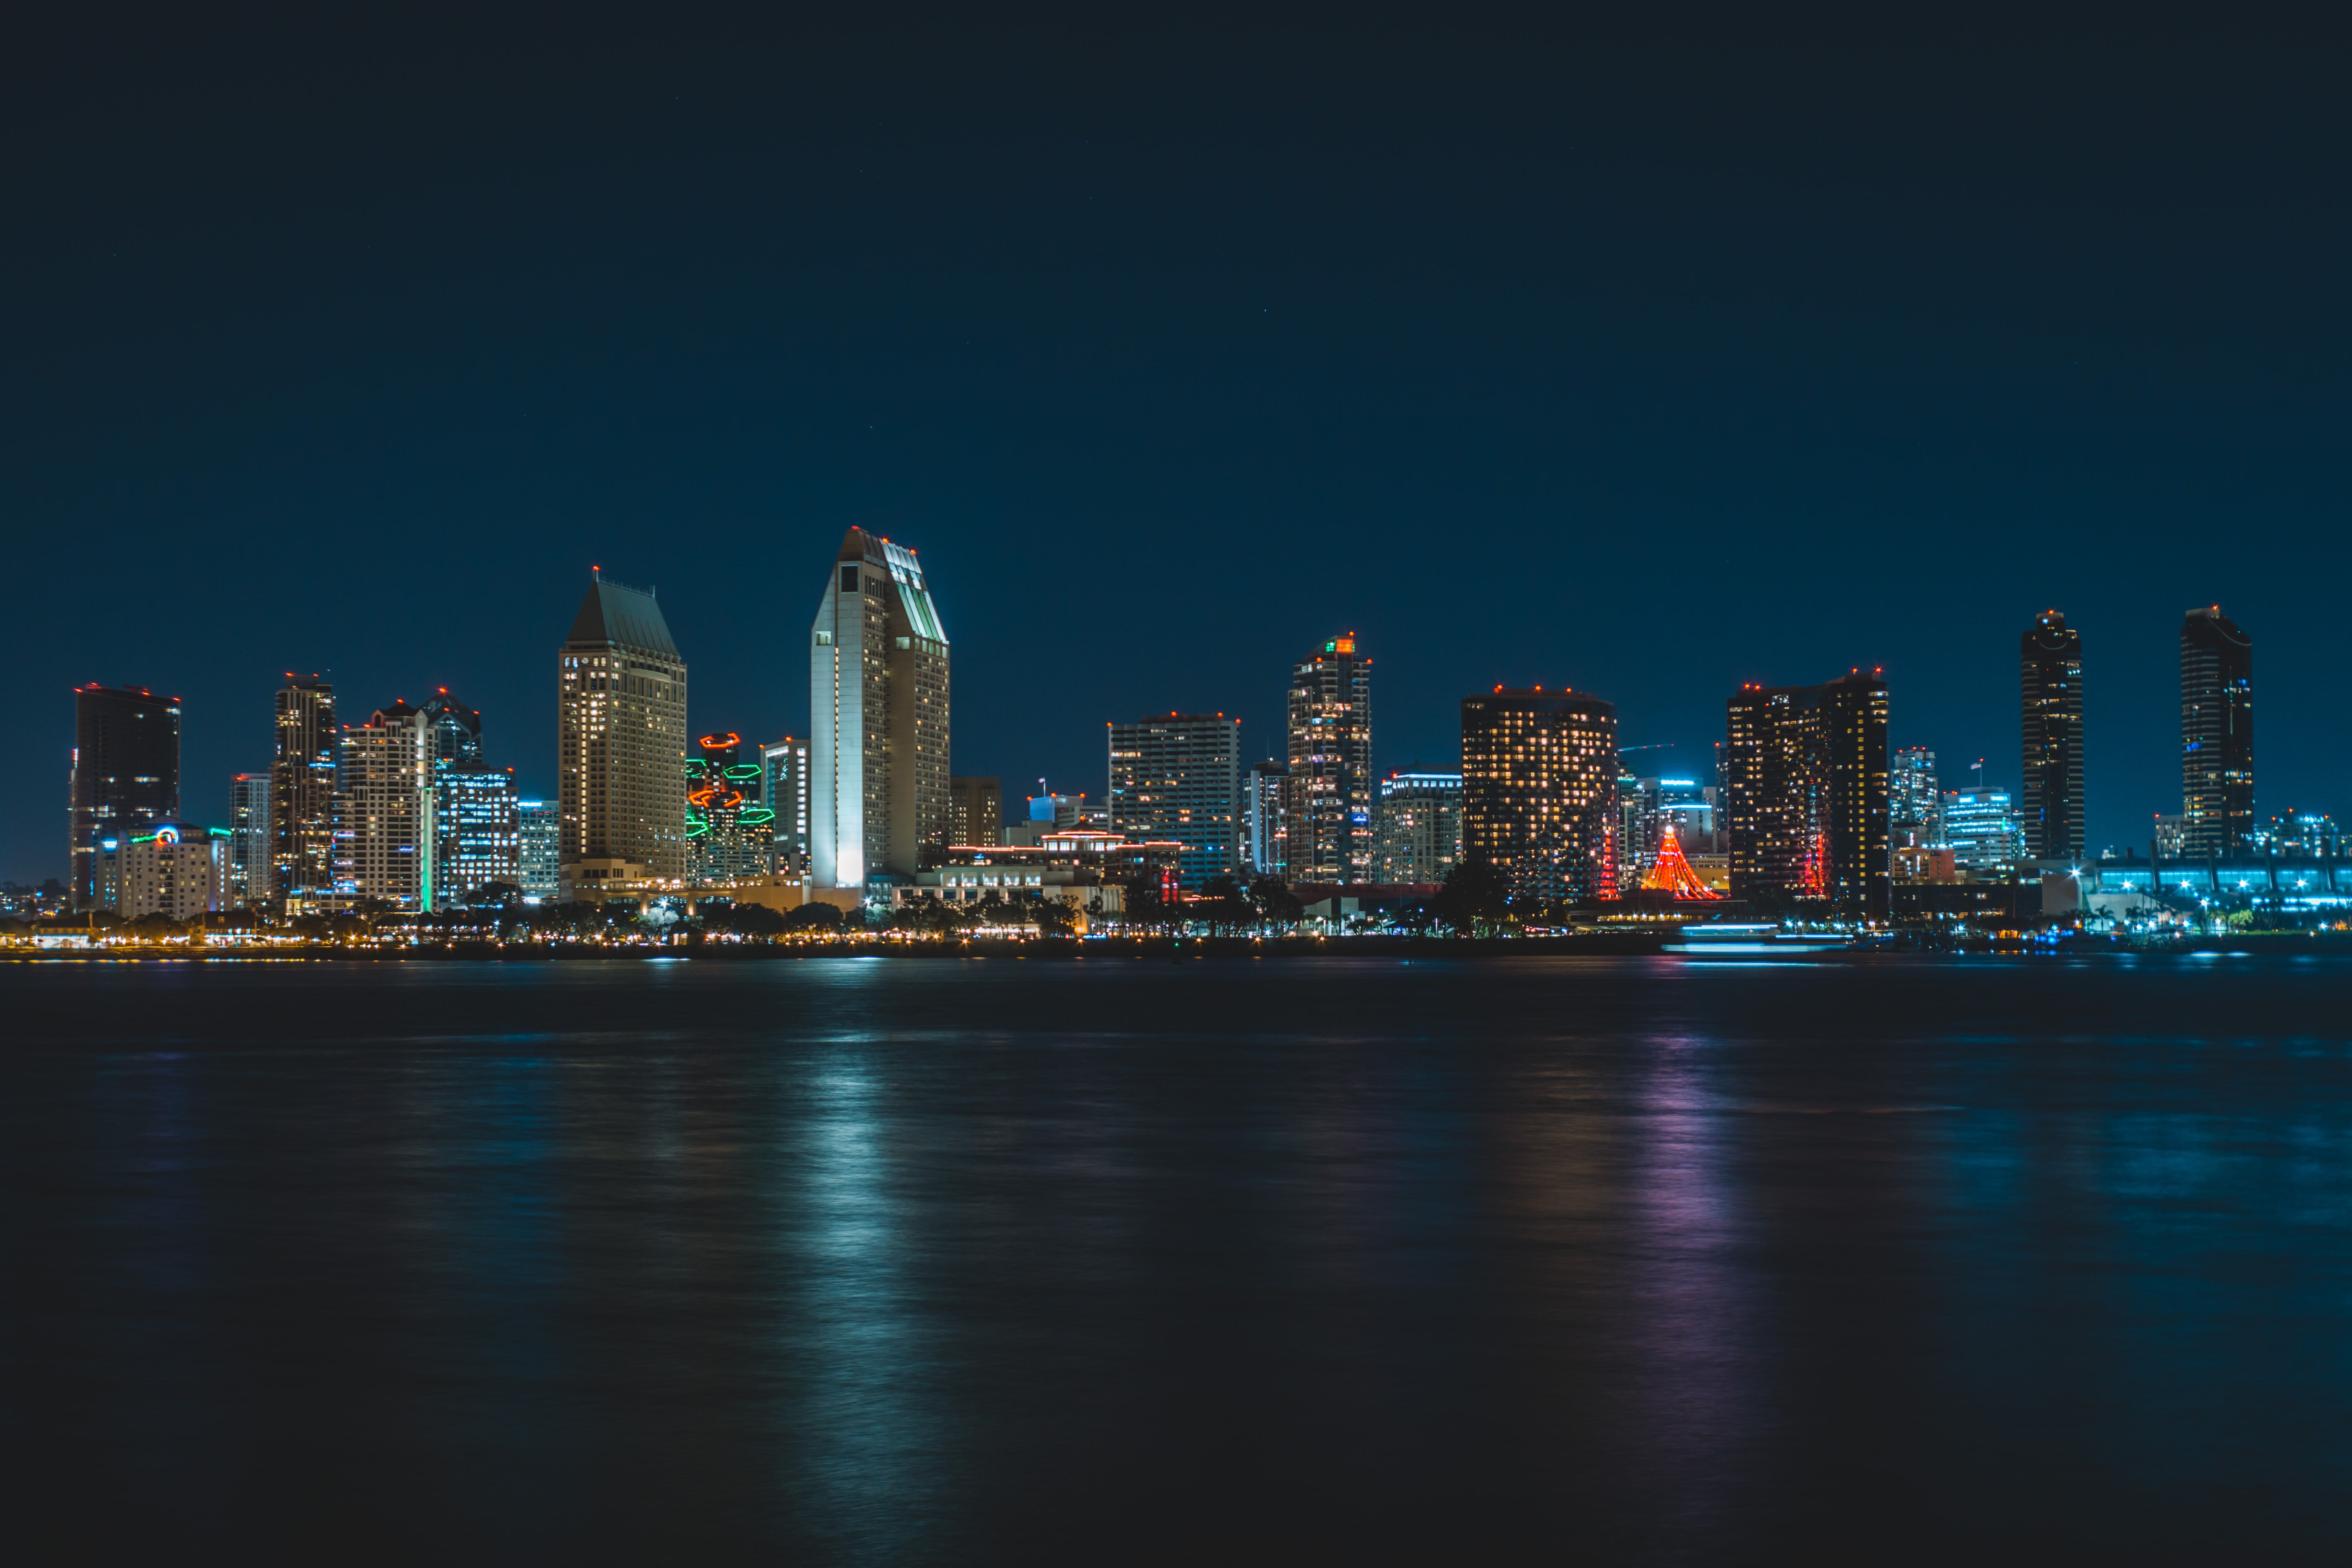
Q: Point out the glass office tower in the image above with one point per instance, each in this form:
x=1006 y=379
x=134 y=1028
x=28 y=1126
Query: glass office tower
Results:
x=2050 y=663
x=2217 y=735
x=125 y=773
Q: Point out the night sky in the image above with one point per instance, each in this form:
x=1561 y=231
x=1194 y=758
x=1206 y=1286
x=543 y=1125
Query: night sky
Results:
x=1646 y=359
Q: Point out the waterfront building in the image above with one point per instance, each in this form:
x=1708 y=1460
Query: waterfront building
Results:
x=1178 y=779
x=1984 y=832
x=2217 y=734
x=879 y=704
x=175 y=869
x=2171 y=836
x=1420 y=837
x=248 y=841
x=785 y=785
x=539 y=843
x=1664 y=805
x=1266 y=817
x=729 y=831
x=620 y=747
x=975 y=810
x=2051 y=661
x=1539 y=792
x=477 y=830
x=2300 y=834
x=1806 y=792
x=1330 y=734
x=1633 y=844
x=1915 y=800
x=384 y=809
x=125 y=775
x=303 y=794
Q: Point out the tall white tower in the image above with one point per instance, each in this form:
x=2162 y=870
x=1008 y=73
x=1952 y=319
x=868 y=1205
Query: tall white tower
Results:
x=879 y=717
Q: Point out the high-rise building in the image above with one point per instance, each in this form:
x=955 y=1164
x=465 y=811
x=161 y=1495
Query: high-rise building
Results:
x=1330 y=724
x=2171 y=836
x=248 y=841
x=303 y=794
x=1539 y=792
x=730 y=829
x=786 y=781
x=1178 y=779
x=1984 y=831
x=2217 y=735
x=538 y=834
x=621 y=748
x=1914 y=804
x=477 y=831
x=878 y=706
x=2051 y=660
x=125 y=775
x=175 y=869
x=975 y=809
x=384 y=809
x=1633 y=859
x=1420 y=836
x=1806 y=787
x=1681 y=805
x=456 y=728
x=1266 y=817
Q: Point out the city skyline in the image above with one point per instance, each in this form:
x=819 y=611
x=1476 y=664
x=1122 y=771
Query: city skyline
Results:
x=1690 y=757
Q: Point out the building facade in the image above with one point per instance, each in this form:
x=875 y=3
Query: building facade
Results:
x=1420 y=836
x=175 y=869
x=1806 y=793
x=1331 y=830
x=730 y=829
x=2217 y=734
x=538 y=842
x=1985 y=832
x=125 y=775
x=620 y=747
x=785 y=785
x=384 y=809
x=1539 y=792
x=303 y=794
x=249 y=885
x=878 y=706
x=1915 y=800
x=975 y=809
x=477 y=831
x=2051 y=692
x=1178 y=779
x=1266 y=817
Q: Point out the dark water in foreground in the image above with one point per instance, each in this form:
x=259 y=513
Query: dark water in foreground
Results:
x=1109 y=1260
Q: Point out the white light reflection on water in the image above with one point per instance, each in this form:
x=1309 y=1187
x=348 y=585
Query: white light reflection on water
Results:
x=867 y=1440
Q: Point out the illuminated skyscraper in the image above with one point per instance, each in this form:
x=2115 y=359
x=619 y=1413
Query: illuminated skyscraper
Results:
x=303 y=794
x=2217 y=735
x=785 y=782
x=1983 y=831
x=248 y=841
x=456 y=728
x=2051 y=658
x=1420 y=833
x=477 y=831
x=878 y=705
x=730 y=836
x=539 y=833
x=126 y=773
x=1178 y=779
x=384 y=809
x=1806 y=792
x=621 y=748
x=1330 y=720
x=1915 y=801
x=1539 y=792
x=1266 y=817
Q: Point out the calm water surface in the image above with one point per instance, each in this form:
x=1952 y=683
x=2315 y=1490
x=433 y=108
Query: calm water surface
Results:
x=868 y=1260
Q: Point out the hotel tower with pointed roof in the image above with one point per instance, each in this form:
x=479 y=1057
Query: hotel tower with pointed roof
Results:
x=621 y=749
x=879 y=717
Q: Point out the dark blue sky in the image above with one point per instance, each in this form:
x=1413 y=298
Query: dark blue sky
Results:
x=1645 y=360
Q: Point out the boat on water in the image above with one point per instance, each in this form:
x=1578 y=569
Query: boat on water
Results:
x=1726 y=939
